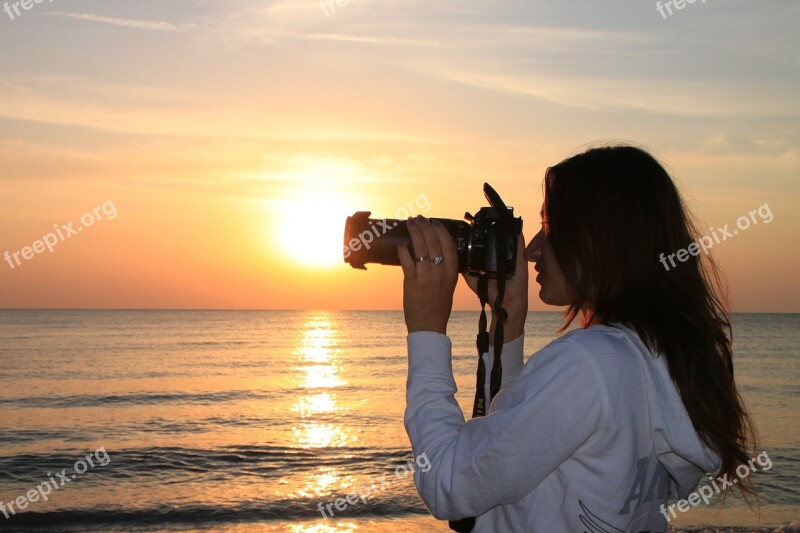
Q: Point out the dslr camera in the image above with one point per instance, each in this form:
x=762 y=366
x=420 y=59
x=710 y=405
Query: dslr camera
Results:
x=486 y=243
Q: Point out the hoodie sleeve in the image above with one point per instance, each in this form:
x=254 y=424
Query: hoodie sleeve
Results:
x=533 y=425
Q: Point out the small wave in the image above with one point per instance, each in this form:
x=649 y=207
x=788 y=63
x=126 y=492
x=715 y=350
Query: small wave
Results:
x=102 y=400
x=203 y=515
x=231 y=461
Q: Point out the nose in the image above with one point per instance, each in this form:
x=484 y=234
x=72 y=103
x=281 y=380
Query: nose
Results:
x=533 y=252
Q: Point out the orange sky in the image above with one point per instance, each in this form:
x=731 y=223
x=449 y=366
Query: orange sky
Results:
x=232 y=139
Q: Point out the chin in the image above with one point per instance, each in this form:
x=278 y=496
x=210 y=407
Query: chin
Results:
x=545 y=297
x=550 y=299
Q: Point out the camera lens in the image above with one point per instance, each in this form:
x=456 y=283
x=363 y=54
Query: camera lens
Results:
x=369 y=240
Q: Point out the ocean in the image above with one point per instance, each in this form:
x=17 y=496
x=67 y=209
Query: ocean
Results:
x=254 y=420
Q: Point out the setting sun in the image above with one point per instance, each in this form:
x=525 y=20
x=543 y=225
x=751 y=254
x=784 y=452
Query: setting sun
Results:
x=311 y=227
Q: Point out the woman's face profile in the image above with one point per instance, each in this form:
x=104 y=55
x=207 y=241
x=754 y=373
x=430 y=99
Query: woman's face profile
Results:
x=554 y=289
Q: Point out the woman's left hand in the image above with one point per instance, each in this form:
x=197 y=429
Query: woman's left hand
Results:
x=427 y=286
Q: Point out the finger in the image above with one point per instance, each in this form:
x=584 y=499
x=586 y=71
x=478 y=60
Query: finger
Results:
x=522 y=263
x=447 y=246
x=417 y=241
x=431 y=237
x=409 y=270
x=521 y=270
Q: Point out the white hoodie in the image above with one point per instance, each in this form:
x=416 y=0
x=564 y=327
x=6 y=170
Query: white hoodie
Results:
x=589 y=435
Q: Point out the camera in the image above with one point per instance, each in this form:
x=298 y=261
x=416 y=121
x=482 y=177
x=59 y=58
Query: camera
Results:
x=486 y=243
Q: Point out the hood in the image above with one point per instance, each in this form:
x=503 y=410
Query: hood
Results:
x=676 y=443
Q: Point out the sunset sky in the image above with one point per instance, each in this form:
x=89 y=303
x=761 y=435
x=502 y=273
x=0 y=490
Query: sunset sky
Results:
x=232 y=138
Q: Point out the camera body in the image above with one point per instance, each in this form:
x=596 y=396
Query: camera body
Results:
x=485 y=245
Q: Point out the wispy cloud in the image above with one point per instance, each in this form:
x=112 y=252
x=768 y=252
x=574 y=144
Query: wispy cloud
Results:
x=154 y=25
x=168 y=111
x=707 y=98
x=369 y=39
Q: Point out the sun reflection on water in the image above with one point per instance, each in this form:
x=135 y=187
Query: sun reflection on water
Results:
x=319 y=413
x=322 y=376
x=318 y=353
x=316 y=435
x=319 y=359
x=339 y=527
x=323 y=402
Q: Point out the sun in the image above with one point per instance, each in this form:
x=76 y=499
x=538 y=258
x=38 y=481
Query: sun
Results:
x=311 y=229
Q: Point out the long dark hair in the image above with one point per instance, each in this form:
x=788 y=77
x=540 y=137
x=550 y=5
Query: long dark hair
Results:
x=611 y=212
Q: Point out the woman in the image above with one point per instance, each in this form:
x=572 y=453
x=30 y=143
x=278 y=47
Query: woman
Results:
x=600 y=426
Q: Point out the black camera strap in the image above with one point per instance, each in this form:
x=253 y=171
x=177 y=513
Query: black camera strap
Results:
x=482 y=343
x=465 y=525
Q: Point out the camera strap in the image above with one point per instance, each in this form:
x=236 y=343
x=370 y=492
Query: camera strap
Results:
x=482 y=343
x=465 y=525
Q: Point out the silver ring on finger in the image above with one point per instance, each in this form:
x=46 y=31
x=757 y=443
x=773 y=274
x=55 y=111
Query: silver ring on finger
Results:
x=438 y=260
x=420 y=259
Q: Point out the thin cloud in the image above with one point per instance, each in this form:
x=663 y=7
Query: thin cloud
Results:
x=369 y=39
x=703 y=99
x=154 y=25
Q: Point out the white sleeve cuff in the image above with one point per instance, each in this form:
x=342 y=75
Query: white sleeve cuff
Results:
x=429 y=353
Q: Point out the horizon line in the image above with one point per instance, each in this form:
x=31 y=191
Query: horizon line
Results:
x=306 y=310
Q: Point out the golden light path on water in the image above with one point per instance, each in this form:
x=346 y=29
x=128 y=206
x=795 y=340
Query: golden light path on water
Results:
x=320 y=366
x=322 y=406
x=319 y=361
